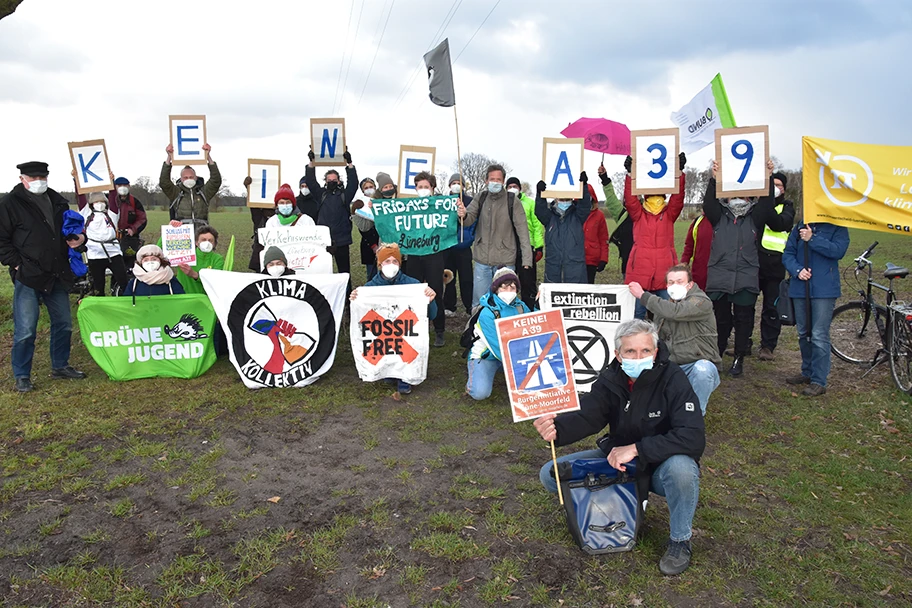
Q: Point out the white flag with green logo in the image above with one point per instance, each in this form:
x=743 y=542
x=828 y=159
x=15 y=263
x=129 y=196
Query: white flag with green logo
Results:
x=706 y=112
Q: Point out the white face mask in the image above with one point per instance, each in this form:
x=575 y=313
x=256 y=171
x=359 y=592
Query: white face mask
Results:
x=99 y=207
x=38 y=186
x=369 y=192
x=777 y=191
x=677 y=292
x=285 y=209
x=205 y=246
x=455 y=189
x=123 y=190
x=507 y=296
x=424 y=192
x=390 y=270
x=515 y=191
x=276 y=271
x=305 y=191
x=151 y=265
x=189 y=183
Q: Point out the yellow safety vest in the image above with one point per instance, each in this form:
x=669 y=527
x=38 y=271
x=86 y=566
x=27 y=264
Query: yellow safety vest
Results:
x=696 y=226
x=774 y=241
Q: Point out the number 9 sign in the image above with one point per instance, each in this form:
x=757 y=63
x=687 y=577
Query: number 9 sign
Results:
x=655 y=161
x=742 y=154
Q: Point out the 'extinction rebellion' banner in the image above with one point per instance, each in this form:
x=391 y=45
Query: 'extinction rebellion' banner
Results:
x=857 y=185
x=420 y=226
x=165 y=336
x=282 y=331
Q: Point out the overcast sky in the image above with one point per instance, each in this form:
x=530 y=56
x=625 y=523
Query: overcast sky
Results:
x=73 y=71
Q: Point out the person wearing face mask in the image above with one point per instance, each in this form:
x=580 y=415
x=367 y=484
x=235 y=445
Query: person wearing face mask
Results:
x=565 y=248
x=687 y=325
x=622 y=233
x=33 y=246
x=285 y=211
x=697 y=245
x=191 y=196
x=653 y=249
x=206 y=257
x=650 y=410
x=334 y=203
x=389 y=262
x=596 y=239
x=529 y=277
x=733 y=272
x=501 y=231
x=131 y=219
x=370 y=239
x=306 y=202
x=459 y=257
x=772 y=270
x=485 y=359
x=275 y=264
x=258 y=217
x=102 y=249
x=152 y=275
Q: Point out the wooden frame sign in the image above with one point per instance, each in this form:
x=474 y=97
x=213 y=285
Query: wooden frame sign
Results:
x=266 y=176
x=90 y=162
x=562 y=163
x=188 y=136
x=742 y=154
x=327 y=140
x=412 y=161
x=655 y=168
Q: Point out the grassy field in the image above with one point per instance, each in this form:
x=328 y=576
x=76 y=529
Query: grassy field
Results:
x=203 y=493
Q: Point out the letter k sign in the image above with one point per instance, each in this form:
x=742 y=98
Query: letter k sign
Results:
x=85 y=168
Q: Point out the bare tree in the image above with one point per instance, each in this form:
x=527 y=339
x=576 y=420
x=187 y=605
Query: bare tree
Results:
x=442 y=186
x=475 y=170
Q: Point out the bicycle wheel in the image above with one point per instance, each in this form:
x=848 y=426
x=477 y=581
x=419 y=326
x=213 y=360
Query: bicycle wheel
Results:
x=851 y=339
x=901 y=351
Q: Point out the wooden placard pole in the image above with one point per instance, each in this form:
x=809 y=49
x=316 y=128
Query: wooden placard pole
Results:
x=560 y=495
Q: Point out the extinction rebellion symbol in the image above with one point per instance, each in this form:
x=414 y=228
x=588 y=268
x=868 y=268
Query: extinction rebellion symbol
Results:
x=588 y=353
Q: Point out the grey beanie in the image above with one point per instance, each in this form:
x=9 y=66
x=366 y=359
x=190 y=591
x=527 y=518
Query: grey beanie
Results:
x=384 y=179
x=273 y=254
x=454 y=178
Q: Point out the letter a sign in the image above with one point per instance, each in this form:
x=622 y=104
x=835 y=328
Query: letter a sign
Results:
x=327 y=140
x=90 y=161
x=562 y=163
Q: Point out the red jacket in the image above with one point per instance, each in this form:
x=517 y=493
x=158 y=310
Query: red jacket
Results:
x=595 y=231
x=697 y=254
x=653 y=250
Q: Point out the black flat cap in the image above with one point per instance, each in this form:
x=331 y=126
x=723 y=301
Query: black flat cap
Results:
x=33 y=169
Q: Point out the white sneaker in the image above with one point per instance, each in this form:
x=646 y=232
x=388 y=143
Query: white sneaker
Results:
x=449 y=313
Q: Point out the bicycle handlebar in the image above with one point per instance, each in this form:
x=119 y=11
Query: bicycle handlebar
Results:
x=862 y=259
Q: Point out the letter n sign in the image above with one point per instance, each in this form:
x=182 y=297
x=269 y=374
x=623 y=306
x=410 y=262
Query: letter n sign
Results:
x=90 y=161
x=265 y=175
x=562 y=163
x=327 y=140
x=188 y=135
x=412 y=161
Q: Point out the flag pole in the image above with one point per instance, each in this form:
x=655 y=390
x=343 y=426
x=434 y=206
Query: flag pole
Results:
x=459 y=166
x=560 y=494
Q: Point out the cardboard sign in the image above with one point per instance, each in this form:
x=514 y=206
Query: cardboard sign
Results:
x=304 y=247
x=179 y=244
x=656 y=169
x=327 y=140
x=412 y=161
x=420 y=226
x=389 y=333
x=562 y=163
x=188 y=136
x=90 y=161
x=742 y=154
x=591 y=315
x=266 y=176
x=537 y=365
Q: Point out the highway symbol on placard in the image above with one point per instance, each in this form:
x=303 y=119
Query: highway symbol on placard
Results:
x=537 y=362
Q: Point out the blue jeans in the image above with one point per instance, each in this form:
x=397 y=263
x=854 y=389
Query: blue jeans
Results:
x=815 y=349
x=481 y=377
x=639 y=312
x=677 y=479
x=704 y=378
x=481 y=280
x=25 y=325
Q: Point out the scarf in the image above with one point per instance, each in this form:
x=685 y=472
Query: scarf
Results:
x=655 y=204
x=287 y=221
x=162 y=276
x=739 y=206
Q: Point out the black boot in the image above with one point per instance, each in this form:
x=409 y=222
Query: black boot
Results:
x=737 y=367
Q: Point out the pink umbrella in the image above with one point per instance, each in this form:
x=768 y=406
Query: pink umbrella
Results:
x=601 y=135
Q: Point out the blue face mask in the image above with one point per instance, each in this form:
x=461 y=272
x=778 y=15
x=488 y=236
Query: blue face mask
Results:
x=634 y=367
x=494 y=187
x=563 y=206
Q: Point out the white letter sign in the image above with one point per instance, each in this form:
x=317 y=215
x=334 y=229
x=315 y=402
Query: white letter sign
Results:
x=90 y=161
x=327 y=140
x=742 y=154
x=412 y=161
x=562 y=163
x=656 y=169
x=188 y=135
x=266 y=176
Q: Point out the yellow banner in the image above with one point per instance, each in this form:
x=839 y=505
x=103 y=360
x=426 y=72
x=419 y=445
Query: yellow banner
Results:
x=857 y=185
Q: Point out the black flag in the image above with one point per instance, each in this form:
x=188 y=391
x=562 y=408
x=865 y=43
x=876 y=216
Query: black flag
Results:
x=440 y=75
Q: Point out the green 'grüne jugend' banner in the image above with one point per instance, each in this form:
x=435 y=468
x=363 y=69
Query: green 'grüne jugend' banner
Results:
x=421 y=226
x=161 y=336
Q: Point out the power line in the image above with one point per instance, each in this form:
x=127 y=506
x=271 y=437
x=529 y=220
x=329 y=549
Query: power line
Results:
x=376 y=51
x=344 y=48
x=476 y=32
x=351 y=55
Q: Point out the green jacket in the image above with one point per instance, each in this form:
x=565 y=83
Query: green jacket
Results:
x=203 y=260
x=536 y=230
x=190 y=203
x=687 y=327
x=613 y=204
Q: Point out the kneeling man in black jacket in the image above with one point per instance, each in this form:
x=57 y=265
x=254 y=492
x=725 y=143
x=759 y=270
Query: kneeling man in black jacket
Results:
x=652 y=414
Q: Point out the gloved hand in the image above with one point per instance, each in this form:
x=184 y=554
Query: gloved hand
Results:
x=584 y=178
x=347 y=156
x=540 y=186
x=628 y=164
x=600 y=267
x=603 y=175
x=357 y=205
x=247 y=181
x=682 y=160
x=311 y=155
x=539 y=254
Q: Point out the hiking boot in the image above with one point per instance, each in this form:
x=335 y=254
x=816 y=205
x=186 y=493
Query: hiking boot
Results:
x=737 y=367
x=765 y=354
x=67 y=373
x=797 y=380
x=814 y=390
x=439 y=341
x=24 y=385
x=676 y=559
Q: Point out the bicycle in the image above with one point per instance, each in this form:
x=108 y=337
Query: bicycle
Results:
x=852 y=338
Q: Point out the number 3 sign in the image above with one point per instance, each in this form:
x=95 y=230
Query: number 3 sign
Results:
x=655 y=161
x=742 y=154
